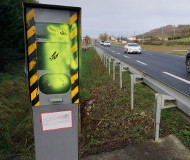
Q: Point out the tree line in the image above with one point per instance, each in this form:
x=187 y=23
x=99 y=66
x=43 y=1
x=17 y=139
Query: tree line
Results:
x=11 y=31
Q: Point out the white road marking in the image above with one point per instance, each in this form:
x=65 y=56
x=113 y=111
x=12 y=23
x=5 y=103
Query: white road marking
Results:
x=180 y=56
x=149 y=54
x=118 y=53
x=141 y=62
x=113 y=51
x=179 y=78
x=126 y=56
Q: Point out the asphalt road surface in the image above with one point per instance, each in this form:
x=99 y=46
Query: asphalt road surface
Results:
x=167 y=68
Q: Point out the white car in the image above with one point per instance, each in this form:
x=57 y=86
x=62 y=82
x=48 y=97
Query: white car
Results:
x=107 y=44
x=102 y=42
x=132 y=48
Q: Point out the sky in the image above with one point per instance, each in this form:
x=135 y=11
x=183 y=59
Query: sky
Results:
x=127 y=17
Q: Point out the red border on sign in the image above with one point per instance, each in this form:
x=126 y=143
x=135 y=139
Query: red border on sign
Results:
x=57 y=128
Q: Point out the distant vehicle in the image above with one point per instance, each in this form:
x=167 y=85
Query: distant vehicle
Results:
x=132 y=48
x=107 y=44
x=187 y=62
x=102 y=42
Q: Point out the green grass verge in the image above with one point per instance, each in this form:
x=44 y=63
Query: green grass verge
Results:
x=107 y=121
x=16 y=132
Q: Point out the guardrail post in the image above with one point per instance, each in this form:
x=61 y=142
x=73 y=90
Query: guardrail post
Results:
x=157 y=113
x=159 y=105
x=109 y=59
x=113 y=70
x=106 y=61
x=120 y=74
x=132 y=90
x=101 y=56
x=134 y=79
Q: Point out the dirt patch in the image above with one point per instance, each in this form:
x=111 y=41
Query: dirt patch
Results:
x=169 y=148
x=167 y=49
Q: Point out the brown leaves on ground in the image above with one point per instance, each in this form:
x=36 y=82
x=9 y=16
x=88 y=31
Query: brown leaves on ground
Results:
x=107 y=120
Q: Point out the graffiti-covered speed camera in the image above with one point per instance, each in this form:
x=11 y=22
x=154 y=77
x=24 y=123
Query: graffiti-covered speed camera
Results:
x=53 y=49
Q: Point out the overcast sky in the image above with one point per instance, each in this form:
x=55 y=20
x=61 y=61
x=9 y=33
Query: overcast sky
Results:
x=127 y=17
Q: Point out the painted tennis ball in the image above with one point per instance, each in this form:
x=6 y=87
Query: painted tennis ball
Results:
x=54 y=83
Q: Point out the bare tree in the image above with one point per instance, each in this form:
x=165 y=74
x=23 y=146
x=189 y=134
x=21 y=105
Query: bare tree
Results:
x=86 y=40
x=103 y=36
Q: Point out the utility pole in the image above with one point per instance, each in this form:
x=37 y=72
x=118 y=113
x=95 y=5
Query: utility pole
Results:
x=174 y=32
x=162 y=34
x=143 y=41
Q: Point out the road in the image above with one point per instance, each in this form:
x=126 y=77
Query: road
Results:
x=167 y=68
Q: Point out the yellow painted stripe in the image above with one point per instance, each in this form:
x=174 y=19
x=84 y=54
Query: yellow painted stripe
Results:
x=74 y=91
x=73 y=18
x=33 y=79
x=30 y=15
x=75 y=47
x=32 y=64
x=34 y=93
x=77 y=101
x=74 y=77
x=31 y=48
x=73 y=33
x=37 y=104
x=76 y=60
x=74 y=63
x=31 y=31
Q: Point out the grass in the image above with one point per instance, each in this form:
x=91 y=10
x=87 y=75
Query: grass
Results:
x=118 y=44
x=107 y=121
x=187 y=39
x=16 y=132
x=174 y=123
x=162 y=48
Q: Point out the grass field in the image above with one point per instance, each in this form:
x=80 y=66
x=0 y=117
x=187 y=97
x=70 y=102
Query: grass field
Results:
x=162 y=48
x=187 y=39
x=107 y=121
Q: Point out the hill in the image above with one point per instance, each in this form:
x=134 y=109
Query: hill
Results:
x=169 y=32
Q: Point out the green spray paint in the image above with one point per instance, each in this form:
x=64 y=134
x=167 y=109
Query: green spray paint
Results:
x=57 y=59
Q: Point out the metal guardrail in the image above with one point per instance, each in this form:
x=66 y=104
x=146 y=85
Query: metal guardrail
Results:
x=182 y=100
x=165 y=93
x=85 y=48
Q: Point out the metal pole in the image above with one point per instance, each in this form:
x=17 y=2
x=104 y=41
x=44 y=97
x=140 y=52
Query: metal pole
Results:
x=113 y=70
x=157 y=113
x=109 y=64
x=143 y=41
x=120 y=75
x=132 y=91
x=104 y=59
x=106 y=62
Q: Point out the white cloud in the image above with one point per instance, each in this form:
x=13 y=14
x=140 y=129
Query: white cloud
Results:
x=127 y=16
